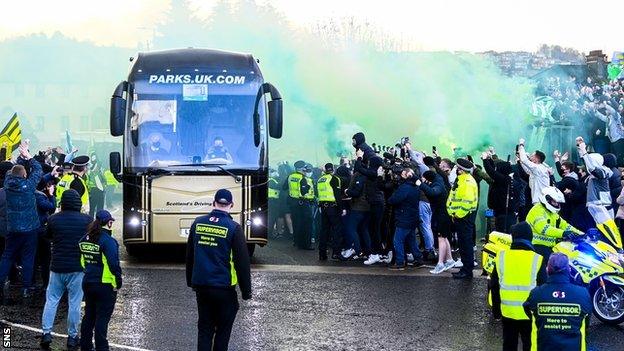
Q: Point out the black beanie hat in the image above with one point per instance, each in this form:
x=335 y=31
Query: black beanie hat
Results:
x=329 y=167
x=70 y=200
x=522 y=230
x=429 y=175
x=429 y=161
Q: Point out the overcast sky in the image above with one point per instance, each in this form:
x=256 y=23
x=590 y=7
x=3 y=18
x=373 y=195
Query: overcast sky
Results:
x=467 y=25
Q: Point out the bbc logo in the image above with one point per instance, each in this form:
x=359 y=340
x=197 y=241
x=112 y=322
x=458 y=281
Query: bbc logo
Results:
x=6 y=337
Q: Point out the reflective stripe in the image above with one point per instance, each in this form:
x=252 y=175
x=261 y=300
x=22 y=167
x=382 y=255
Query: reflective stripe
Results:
x=512 y=303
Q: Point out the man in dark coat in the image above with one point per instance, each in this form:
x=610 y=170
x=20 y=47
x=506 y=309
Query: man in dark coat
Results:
x=500 y=194
x=22 y=219
x=406 y=202
x=65 y=229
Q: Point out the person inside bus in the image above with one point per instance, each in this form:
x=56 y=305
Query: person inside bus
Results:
x=219 y=151
x=155 y=151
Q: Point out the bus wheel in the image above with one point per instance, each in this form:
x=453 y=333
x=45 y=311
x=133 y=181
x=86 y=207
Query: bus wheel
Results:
x=250 y=249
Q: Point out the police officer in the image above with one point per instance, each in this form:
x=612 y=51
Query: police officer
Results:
x=330 y=203
x=300 y=194
x=546 y=224
x=559 y=309
x=76 y=180
x=462 y=206
x=102 y=279
x=274 y=202
x=516 y=272
x=217 y=260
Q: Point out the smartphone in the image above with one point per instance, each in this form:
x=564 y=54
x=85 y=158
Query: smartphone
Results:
x=435 y=149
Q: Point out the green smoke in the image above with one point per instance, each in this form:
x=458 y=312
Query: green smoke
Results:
x=332 y=87
x=331 y=91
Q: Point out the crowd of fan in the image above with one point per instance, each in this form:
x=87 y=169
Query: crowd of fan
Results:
x=49 y=204
x=388 y=199
x=593 y=107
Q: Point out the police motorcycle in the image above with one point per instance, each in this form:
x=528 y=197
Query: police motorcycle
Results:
x=594 y=264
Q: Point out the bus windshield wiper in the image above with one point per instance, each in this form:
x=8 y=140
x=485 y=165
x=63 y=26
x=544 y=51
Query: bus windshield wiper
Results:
x=237 y=178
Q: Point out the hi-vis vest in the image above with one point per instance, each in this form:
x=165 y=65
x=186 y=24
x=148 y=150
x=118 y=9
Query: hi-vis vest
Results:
x=310 y=194
x=325 y=190
x=91 y=253
x=64 y=184
x=273 y=193
x=464 y=197
x=547 y=226
x=294 y=185
x=517 y=272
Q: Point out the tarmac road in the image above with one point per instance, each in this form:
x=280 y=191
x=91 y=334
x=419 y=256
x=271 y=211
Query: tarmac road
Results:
x=301 y=305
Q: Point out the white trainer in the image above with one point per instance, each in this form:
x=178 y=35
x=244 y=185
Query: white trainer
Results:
x=458 y=264
x=439 y=268
x=372 y=259
x=348 y=253
x=449 y=264
x=388 y=258
x=410 y=257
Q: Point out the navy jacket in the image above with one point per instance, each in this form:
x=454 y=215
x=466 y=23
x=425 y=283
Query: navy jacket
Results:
x=46 y=206
x=406 y=201
x=94 y=270
x=560 y=313
x=22 y=213
x=216 y=254
x=437 y=194
x=66 y=228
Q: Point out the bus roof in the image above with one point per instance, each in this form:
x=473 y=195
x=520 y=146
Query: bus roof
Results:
x=209 y=59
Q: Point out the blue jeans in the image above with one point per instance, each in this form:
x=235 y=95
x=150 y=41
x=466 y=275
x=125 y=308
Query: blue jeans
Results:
x=22 y=245
x=358 y=227
x=404 y=236
x=426 y=233
x=59 y=283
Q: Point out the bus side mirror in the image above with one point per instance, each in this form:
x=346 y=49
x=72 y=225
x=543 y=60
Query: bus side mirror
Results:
x=275 y=118
x=118 y=110
x=115 y=165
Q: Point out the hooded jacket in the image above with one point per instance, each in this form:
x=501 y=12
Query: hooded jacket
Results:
x=21 y=207
x=501 y=192
x=360 y=143
x=598 y=193
x=66 y=228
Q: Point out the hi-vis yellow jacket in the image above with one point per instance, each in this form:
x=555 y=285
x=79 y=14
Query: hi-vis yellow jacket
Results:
x=464 y=196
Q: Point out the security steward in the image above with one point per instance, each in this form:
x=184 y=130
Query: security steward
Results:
x=516 y=272
x=76 y=180
x=559 y=310
x=216 y=261
x=546 y=224
x=102 y=279
x=462 y=207
x=300 y=196
x=330 y=203
x=274 y=203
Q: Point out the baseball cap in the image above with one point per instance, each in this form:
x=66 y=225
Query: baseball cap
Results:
x=558 y=263
x=223 y=196
x=104 y=216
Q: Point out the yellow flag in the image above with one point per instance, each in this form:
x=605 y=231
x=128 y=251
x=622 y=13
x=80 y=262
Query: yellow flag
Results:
x=11 y=135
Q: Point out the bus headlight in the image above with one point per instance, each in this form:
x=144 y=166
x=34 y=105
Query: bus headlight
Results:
x=256 y=221
x=134 y=221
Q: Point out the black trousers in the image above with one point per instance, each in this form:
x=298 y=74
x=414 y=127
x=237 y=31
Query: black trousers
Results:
x=301 y=213
x=617 y=149
x=374 y=230
x=217 y=310
x=96 y=201
x=331 y=228
x=511 y=330
x=99 y=305
x=465 y=228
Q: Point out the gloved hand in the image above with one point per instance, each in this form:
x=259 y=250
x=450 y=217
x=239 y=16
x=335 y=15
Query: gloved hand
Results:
x=570 y=235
